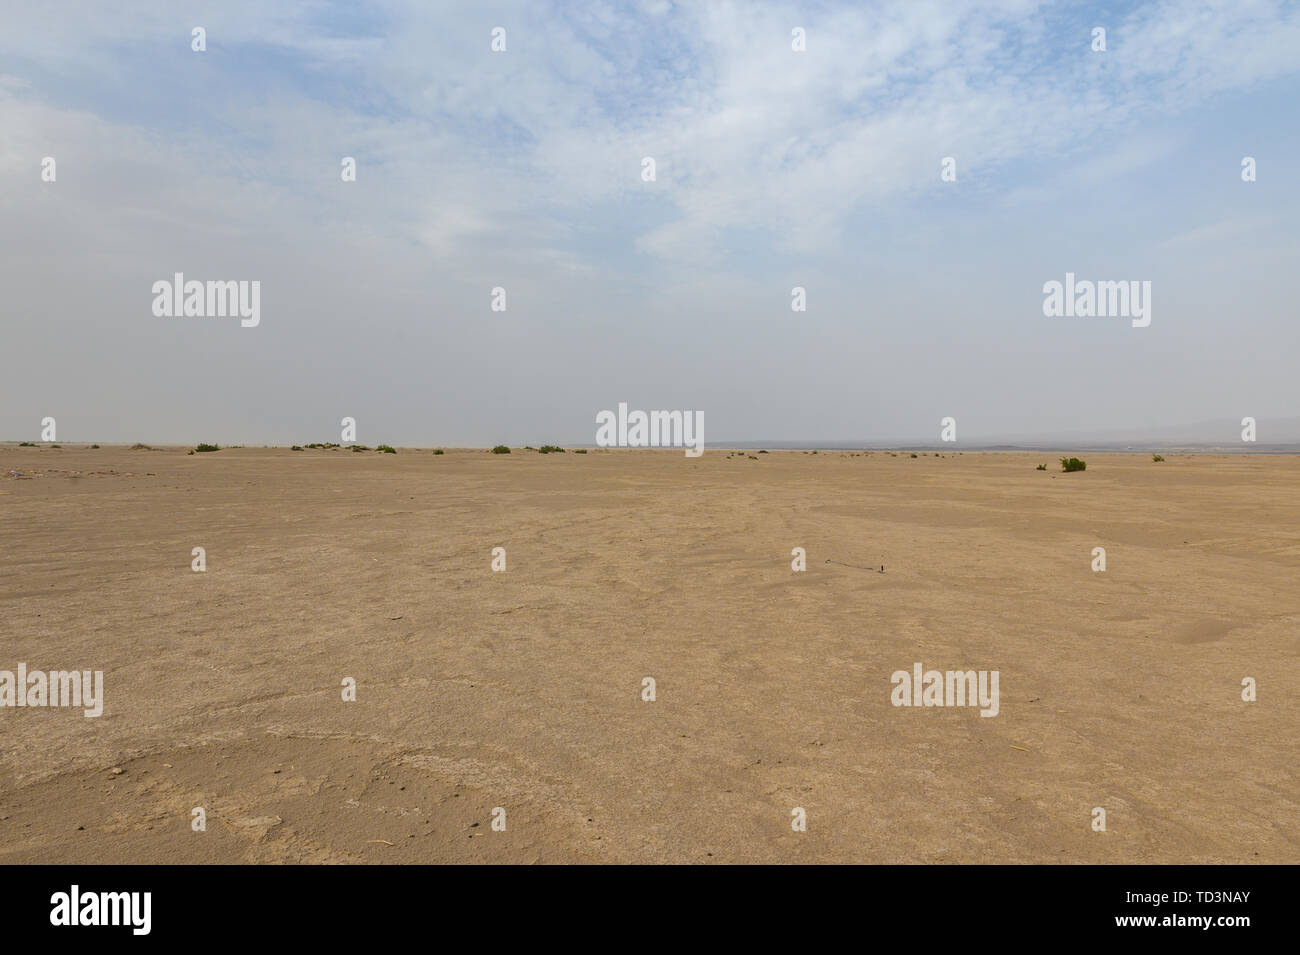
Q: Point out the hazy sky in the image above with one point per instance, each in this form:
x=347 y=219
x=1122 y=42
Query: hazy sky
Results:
x=522 y=169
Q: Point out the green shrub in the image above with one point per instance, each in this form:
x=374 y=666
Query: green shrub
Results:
x=94 y=447
x=206 y=447
x=1073 y=464
x=1041 y=467
x=579 y=450
x=386 y=449
x=295 y=448
x=500 y=449
x=550 y=449
x=1157 y=457
x=26 y=444
x=762 y=452
x=438 y=451
x=913 y=455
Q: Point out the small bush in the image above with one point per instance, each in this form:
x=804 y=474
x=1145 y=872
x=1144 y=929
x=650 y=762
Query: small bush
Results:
x=913 y=455
x=579 y=450
x=500 y=449
x=206 y=447
x=26 y=444
x=1041 y=467
x=1073 y=464
x=386 y=449
x=762 y=452
x=295 y=448
x=1157 y=457
x=94 y=447
x=438 y=451
x=550 y=449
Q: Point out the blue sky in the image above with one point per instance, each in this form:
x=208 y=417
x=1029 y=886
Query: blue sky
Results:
x=522 y=170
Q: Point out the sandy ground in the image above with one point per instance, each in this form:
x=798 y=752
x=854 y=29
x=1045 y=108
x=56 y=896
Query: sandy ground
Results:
x=522 y=689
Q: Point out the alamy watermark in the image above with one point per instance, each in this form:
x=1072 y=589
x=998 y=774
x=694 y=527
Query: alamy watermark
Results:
x=193 y=299
x=654 y=429
x=76 y=688
x=946 y=688
x=74 y=907
x=1088 y=299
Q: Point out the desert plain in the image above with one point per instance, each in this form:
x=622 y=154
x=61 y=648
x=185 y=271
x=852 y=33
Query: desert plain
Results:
x=523 y=690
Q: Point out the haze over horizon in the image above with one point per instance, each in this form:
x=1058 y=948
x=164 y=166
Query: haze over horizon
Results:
x=522 y=170
x=1274 y=434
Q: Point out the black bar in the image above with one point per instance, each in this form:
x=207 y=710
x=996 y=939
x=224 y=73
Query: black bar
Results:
x=940 y=905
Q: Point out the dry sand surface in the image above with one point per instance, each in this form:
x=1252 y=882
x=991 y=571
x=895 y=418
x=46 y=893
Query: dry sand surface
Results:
x=522 y=689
